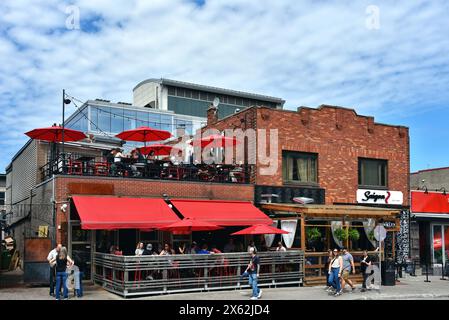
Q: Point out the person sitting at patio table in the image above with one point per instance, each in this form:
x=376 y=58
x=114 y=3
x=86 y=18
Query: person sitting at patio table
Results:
x=167 y=251
x=204 y=250
x=149 y=250
x=117 y=163
x=139 y=249
x=230 y=246
x=251 y=245
x=280 y=247
x=182 y=248
x=193 y=248
x=138 y=159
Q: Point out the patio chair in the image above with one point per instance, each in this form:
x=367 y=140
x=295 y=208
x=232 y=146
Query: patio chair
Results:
x=75 y=167
x=101 y=169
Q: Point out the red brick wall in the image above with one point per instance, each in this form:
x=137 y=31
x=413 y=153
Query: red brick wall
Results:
x=340 y=137
x=145 y=188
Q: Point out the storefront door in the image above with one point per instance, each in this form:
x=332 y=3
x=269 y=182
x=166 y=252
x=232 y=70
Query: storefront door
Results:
x=80 y=248
x=440 y=243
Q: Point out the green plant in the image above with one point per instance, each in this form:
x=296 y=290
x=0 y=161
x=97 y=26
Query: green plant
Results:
x=371 y=235
x=313 y=234
x=354 y=234
x=341 y=234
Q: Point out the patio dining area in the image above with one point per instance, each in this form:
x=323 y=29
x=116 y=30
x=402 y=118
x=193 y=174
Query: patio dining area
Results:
x=94 y=165
x=130 y=276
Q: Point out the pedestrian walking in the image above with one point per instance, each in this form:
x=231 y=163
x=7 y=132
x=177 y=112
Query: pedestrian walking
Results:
x=364 y=264
x=335 y=269
x=51 y=256
x=348 y=267
x=253 y=271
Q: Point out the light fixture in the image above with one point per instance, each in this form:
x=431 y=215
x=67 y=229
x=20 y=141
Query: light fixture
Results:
x=423 y=188
x=67 y=101
x=442 y=189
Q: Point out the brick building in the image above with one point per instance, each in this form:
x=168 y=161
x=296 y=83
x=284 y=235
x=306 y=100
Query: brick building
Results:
x=355 y=170
x=336 y=143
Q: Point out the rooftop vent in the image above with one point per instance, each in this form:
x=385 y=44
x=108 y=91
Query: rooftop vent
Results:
x=102 y=100
x=126 y=103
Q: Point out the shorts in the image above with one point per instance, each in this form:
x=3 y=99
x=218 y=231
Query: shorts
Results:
x=345 y=275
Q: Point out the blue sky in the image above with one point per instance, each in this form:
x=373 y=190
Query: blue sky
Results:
x=391 y=62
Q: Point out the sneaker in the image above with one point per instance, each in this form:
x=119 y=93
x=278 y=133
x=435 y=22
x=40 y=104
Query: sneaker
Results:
x=339 y=293
x=260 y=294
x=352 y=290
x=363 y=290
x=254 y=298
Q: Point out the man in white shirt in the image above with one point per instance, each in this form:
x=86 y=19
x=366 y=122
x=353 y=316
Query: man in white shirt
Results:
x=52 y=255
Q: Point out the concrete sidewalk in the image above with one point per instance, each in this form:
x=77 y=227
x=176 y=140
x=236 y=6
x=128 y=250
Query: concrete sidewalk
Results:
x=407 y=289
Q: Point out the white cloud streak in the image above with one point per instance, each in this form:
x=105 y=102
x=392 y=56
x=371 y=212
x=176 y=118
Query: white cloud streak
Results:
x=307 y=52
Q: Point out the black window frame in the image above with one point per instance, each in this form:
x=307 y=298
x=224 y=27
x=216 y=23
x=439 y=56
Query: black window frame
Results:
x=361 y=180
x=299 y=154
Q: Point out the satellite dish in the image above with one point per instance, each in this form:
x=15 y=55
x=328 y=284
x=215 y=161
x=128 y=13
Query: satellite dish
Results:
x=216 y=102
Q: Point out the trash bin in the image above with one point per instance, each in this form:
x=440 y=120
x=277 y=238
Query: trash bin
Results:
x=6 y=259
x=388 y=273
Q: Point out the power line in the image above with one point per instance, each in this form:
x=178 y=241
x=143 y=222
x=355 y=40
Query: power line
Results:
x=135 y=118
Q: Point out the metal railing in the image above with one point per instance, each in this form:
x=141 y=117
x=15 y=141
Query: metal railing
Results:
x=148 y=275
x=163 y=170
x=315 y=262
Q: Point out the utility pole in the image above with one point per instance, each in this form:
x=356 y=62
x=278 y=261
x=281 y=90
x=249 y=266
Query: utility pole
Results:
x=63 y=125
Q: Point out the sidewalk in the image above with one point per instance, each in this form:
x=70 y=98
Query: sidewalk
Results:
x=407 y=289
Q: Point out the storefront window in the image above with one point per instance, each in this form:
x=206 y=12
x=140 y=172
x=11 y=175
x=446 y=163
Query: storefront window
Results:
x=437 y=245
x=80 y=235
x=446 y=243
x=104 y=240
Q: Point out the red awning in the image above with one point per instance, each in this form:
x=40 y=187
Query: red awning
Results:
x=109 y=213
x=222 y=213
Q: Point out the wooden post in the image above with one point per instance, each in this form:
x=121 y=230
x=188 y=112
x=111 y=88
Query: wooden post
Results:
x=303 y=233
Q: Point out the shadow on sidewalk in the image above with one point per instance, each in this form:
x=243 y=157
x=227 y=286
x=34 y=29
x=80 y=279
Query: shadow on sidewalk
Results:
x=11 y=279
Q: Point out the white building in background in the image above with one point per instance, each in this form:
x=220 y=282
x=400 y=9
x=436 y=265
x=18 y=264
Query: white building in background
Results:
x=194 y=99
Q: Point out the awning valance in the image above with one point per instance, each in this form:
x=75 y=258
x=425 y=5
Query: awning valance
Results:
x=108 y=213
x=222 y=213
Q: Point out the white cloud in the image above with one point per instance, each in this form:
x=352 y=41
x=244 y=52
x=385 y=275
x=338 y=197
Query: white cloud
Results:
x=308 y=52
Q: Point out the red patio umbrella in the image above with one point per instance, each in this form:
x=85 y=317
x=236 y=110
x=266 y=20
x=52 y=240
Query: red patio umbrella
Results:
x=54 y=134
x=187 y=225
x=260 y=229
x=144 y=134
x=215 y=141
x=159 y=149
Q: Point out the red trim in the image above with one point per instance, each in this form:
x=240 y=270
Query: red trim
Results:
x=427 y=170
